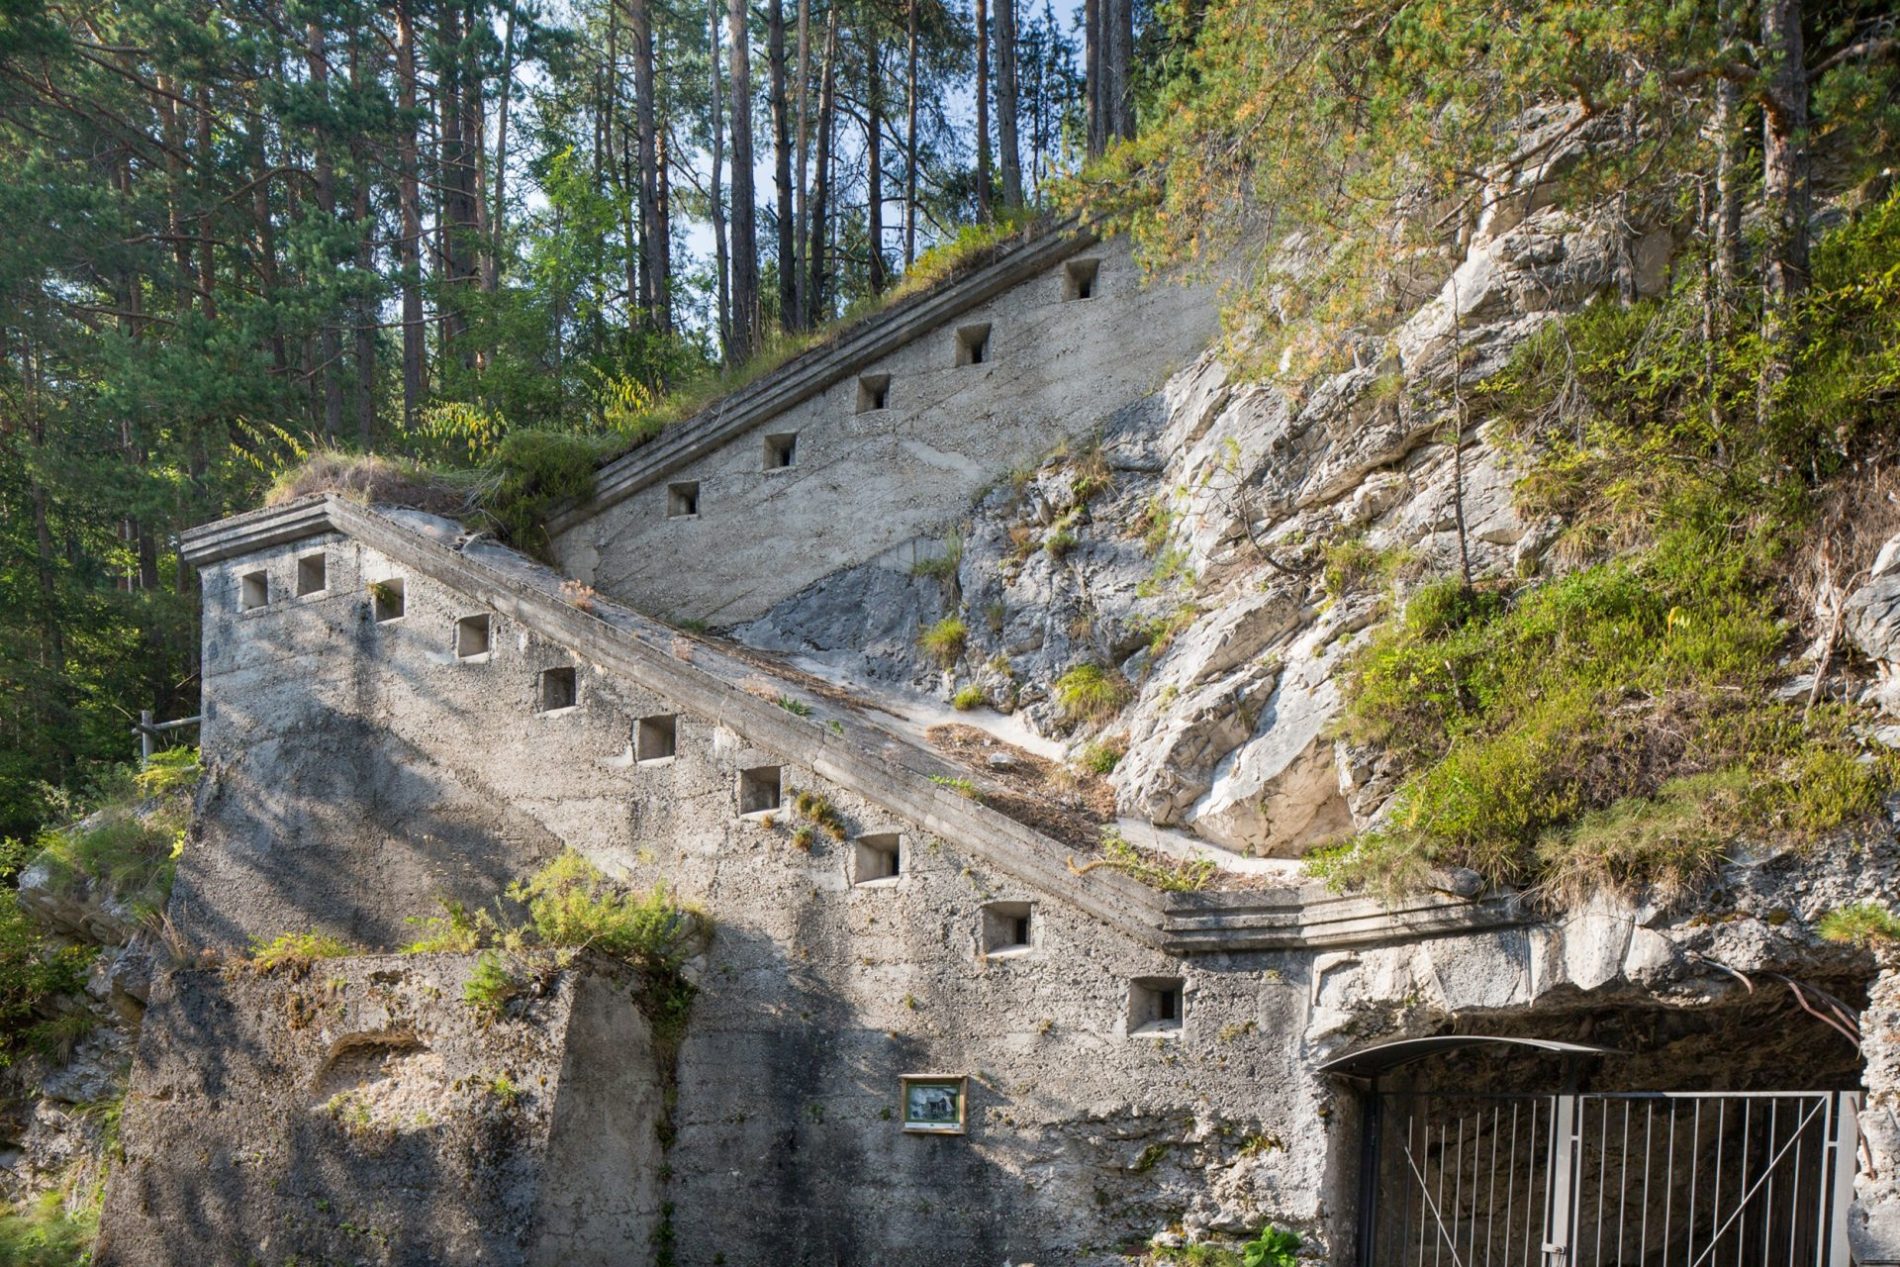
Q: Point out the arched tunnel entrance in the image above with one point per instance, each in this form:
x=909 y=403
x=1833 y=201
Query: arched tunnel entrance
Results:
x=1640 y=1136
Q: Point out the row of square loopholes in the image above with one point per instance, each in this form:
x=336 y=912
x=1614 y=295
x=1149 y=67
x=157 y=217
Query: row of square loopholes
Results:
x=874 y=393
x=1155 y=1003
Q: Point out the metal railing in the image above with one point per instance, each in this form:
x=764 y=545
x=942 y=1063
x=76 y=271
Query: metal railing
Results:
x=148 y=732
x=1677 y=1179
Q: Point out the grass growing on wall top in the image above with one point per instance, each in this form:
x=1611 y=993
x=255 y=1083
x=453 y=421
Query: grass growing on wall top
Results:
x=1618 y=724
x=296 y=953
x=567 y=907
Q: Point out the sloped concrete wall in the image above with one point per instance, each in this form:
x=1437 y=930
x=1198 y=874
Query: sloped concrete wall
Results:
x=360 y=1112
x=886 y=483
x=817 y=993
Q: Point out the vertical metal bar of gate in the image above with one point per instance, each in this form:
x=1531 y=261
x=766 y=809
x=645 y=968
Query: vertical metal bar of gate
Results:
x=1560 y=1203
x=1722 y=1179
x=1844 y=1135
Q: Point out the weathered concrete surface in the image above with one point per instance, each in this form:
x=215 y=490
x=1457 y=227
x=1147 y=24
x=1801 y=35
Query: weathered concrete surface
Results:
x=865 y=485
x=1875 y=1222
x=361 y=1112
x=816 y=994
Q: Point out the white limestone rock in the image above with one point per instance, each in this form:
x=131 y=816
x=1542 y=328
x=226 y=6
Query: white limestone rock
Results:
x=1278 y=793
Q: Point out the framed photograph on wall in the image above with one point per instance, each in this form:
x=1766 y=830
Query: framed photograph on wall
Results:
x=935 y=1103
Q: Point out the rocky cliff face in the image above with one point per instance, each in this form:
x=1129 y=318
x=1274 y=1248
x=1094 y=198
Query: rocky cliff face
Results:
x=1213 y=561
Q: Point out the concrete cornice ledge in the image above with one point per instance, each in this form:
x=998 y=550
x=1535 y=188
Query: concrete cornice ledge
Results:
x=805 y=376
x=1316 y=918
x=256 y=530
x=870 y=761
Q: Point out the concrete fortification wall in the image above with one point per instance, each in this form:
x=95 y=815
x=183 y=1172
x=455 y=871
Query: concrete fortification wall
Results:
x=889 y=454
x=818 y=991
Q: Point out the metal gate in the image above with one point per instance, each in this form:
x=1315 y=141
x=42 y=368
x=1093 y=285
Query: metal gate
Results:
x=1629 y=1180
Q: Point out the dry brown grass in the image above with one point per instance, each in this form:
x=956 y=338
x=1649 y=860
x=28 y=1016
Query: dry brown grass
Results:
x=371 y=478
x=1856 y=513
x=1033 y=790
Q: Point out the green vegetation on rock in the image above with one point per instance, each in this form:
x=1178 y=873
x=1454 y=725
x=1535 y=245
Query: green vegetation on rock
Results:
x=1091 y=693
x=1156 y=870
x=50 y=1231
x=1863 y=924
x=126 y=849
x=945 y=640
x=35 y=972
x=1619 y=724
x=297 y=953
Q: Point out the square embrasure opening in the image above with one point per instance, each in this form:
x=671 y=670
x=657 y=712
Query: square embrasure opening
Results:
x=781 y=451
x=656 y=738
x=874 y=392
x=471 y=636
x=876 y=858
x=759 y=789
x=386 y=599
x=682 y=499
x=1080 y=278
x=253 y=590
x=973 y=345
x=312 y=574
x=1155 y=1006
x=559 y=689
x=1007 y=928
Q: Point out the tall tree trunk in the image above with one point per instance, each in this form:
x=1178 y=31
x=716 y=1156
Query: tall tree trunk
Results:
x=1784 y=190
x=780 y=103
x=165 y=99
x=622 y=157
x=816 y=311
x=874 y=157
x=482 y=267
x=652 y=240
x=745 y=245
x=1121 y=49
x=800 y=294
x=1092 y=76
x=983 y=213
x=451 y=216
x=498 y=218
x=265 y=240
x=207 y=261
x=1726 y=127
x=1039 y=107
x=663 y=217
x=1007 y=85
x=721 y=267
x=910 y=136
x=409 y=199
x=329 y=342
x=363 y=302
x=45 y=558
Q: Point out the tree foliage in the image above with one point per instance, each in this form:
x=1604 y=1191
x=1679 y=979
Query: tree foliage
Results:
x=1366 y=139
